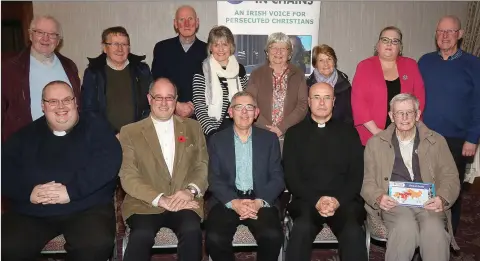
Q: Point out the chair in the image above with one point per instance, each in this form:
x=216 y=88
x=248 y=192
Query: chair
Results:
x=55 y=246
x=375 y=229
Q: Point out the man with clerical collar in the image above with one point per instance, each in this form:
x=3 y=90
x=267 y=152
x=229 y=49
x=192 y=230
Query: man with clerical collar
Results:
x=164 y=173
x=452 y=87
x=116 y=83
x=323 y=162
x=407 y=151
x=25 y=74
x=246 y=179
x=59 y=173
x=178 y=58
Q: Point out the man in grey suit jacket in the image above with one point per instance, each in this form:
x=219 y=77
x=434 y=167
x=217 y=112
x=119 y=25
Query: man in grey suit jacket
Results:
x=246 y=179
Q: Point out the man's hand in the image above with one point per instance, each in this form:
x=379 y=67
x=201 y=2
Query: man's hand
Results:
x=436 y=204
x=469 y=149
x=255 y=205
x=327 y=206
x=244 y=208
x=274 y=129
x=165 y=202
x=184 y=109
x=180 y=199
x=38 y=196
x=386 y=202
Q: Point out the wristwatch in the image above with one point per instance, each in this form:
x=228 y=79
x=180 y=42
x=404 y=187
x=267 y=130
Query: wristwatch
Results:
x=193 y=191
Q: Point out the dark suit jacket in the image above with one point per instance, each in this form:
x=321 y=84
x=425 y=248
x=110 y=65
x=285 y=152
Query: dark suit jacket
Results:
x=268 y=181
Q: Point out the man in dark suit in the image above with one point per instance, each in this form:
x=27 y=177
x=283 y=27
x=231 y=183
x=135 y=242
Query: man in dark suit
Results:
x=246 y=178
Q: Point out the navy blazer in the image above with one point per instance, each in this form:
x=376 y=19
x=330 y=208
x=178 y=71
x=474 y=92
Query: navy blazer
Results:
x=268 y=180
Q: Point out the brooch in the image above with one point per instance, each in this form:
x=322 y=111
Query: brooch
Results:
x=405 y=77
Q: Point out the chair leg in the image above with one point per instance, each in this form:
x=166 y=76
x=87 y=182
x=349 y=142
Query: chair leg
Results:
x=209 y=258
x=280 y=255
x=124 y=244
x=367 y=239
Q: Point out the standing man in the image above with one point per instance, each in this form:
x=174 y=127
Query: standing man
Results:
x=246 y=179
x=178 y=58
x=452 y=105
x=323 y=161
x=25 y=75
x=116 y=83
x=164 y=173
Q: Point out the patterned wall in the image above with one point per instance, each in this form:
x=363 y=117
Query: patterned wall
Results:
x=351 y=28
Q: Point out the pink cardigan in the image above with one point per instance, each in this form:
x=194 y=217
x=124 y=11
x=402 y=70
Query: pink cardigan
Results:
x=369 y=91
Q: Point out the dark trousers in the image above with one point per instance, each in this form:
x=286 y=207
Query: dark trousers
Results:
x=143 y=228
x=221 y=226
x=456 y=146
x=346 y=224
x=89 y=234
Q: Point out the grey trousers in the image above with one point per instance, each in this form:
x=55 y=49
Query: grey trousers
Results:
x=409 y=228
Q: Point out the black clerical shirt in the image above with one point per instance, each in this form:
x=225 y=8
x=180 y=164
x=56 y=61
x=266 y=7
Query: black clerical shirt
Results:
x=323 y=161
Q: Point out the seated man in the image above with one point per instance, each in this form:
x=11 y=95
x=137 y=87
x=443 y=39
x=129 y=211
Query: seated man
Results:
x=408 y=151
x=164 y=173
x=324 y=172
x=245 y=178
x=59 y=174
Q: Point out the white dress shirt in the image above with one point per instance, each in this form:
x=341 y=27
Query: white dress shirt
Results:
x=406 y=149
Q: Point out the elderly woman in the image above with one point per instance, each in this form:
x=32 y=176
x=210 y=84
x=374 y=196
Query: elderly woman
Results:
x=407 y=151
x=378 y=79
x=325 y=64
x=215 y=83
x=279 y=87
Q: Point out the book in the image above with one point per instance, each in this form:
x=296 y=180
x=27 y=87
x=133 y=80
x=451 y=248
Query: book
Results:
x=411 y=194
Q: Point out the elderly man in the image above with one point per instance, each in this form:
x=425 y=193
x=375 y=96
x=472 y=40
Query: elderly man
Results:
x=164 y=173
x=324 y=172
x=60 y=174
x=246 y=179
x=25 y=75
x=116 y=83
x=178 y=58
x=407 y=151
x=452 y=87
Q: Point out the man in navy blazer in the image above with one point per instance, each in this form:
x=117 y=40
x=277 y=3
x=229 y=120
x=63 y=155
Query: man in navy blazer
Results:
x=245 y=178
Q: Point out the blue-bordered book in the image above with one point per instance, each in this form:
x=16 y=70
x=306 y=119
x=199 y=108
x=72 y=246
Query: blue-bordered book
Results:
x=411 y=194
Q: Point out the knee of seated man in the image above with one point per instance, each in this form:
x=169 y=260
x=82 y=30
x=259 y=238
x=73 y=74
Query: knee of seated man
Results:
x=434 y=227
x=352 y=231
x=303 y=225
x=97 y=241
x=271 y=235
x=404 y=226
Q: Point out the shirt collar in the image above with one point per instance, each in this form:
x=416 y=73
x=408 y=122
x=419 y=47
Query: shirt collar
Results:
x=111 y=65
x=454 y=56
x=162 y=123
x=238 y=137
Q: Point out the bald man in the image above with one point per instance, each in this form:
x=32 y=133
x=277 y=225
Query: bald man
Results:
x=59 y=173
x=164 y=173
x=323 y=161
x=452 y=87
x=178 y=58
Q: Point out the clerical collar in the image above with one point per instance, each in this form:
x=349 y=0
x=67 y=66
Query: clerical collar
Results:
x=319 y=125
x=64 y=132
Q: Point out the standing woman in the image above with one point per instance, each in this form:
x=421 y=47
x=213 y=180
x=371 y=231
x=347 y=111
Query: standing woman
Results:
x=215 y=83
x=279 y=87
x=378 y=79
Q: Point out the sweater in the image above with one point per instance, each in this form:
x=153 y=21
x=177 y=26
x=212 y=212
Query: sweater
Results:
x=86 y=160
x=324 y=161
x=171 y=61
x=452 y=90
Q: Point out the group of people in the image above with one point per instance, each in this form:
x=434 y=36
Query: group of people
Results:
x=196 y=124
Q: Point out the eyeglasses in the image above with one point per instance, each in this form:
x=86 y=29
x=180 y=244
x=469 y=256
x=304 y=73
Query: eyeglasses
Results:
x=449 y=31
x=326 y=98
x=123 y=45
x=394 y=41
x=159 y=98
x=240 y=107
x=55 y=102
x=278 y=49
x=40 y=34
x=401 y=114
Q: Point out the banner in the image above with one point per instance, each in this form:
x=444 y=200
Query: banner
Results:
x=252 y=22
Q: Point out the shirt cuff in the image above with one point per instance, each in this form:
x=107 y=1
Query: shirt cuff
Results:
x=199 y=192
x=155 y=201
x=265 y=204
x=229 y=205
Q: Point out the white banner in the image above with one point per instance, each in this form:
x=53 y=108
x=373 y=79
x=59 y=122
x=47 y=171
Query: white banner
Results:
x=252 y=21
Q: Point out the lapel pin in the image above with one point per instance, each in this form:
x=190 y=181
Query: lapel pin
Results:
x=405 y=77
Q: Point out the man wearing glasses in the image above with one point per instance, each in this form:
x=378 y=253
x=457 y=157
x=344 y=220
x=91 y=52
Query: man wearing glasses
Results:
x=59 y=174
x=164 y=173
x=452 y=88
x=24 y=75
x=116 y=83
x=246 y=179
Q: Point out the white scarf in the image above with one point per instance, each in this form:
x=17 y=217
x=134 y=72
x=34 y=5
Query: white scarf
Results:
x=213 y=88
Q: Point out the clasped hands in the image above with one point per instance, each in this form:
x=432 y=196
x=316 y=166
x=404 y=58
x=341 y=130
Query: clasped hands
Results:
x=50 y=193
x=182 y=199
x=327 y=206
x=434 y=204
x=247 y=208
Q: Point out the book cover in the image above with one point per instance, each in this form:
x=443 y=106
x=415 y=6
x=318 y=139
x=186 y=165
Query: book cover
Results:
x=411 y=194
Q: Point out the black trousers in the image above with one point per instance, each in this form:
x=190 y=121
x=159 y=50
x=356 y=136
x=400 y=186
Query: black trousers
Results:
x=89 y=234
x=221 y=226
x=143 y=228
x=456 y=146
x=346 y=224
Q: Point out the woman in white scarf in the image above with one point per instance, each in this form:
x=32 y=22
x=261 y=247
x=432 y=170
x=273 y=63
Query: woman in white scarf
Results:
x=214 y=85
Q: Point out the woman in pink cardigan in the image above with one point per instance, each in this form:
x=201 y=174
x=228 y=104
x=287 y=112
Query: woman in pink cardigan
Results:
x=378 y=79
